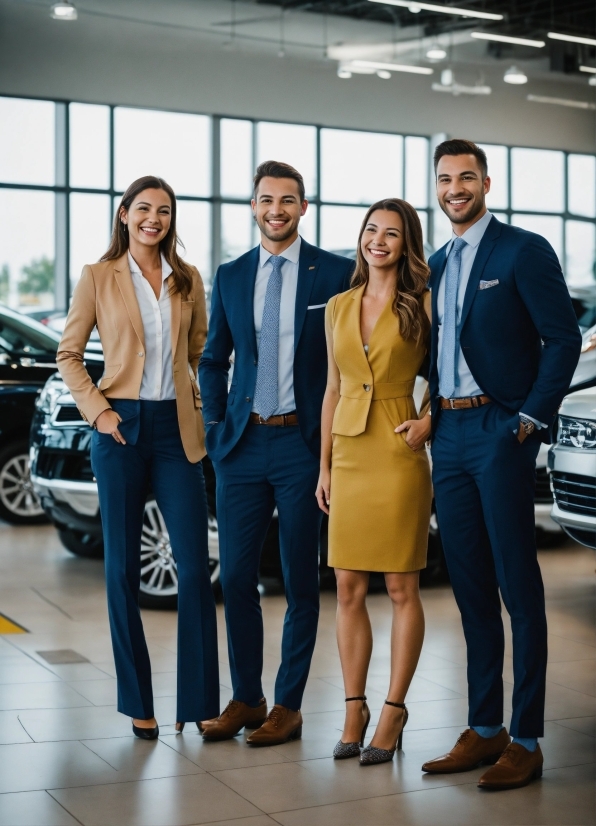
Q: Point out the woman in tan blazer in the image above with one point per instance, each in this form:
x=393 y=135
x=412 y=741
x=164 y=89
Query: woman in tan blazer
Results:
x=375 y=476
x=149 y=308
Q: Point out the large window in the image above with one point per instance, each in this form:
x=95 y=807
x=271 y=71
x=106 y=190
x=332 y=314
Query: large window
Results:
x=64 y=166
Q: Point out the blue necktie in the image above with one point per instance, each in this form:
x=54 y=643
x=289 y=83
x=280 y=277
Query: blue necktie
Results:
x=266 y=390
x=447 y=364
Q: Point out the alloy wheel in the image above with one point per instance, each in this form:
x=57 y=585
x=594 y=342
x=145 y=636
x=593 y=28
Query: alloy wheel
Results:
x=16 y=491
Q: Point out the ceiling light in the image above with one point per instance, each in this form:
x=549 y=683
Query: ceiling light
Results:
x=64 y=11
x=384 y=74
x=417 y=7
x=590 y=69
x=447 y=77
x=392 y=67
x=592 y=81
x=515 y=76
x=571 y=38
x=457 y=89
x=436 y=53
x=344 y=73
x=503 y=38
x=574 y=104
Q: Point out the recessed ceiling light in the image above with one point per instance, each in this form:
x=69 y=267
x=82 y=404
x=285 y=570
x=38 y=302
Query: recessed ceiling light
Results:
x=590 y=69
x=571 y=38
x=503 y=38
x=393 y=67
x=436 y=53
x=416 y=7
x=515 y=76
x=64 y=11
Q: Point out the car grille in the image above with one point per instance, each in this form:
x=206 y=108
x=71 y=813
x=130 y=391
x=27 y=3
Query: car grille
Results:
x=575 y=493
x=68 y=413
x=54 y=464
x=543 y=494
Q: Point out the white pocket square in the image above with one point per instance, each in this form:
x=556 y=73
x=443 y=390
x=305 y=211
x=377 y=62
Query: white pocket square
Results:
x=316 y=306
x=486 y=285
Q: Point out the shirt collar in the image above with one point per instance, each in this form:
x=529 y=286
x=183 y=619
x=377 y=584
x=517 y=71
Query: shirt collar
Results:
x=292 y=253
x=136 y=270
x=473 y=235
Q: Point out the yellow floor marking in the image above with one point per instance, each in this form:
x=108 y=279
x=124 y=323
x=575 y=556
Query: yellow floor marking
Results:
x=7 y=626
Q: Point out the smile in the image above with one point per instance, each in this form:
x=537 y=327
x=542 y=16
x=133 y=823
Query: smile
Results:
x=149 y=230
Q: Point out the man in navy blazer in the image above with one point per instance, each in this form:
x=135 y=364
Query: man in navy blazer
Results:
x=505 y=344
x=263 y=436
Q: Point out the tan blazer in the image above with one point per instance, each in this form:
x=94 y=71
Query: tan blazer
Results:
x=105 y=297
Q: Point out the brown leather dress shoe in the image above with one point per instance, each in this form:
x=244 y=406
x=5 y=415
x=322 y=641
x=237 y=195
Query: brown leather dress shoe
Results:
x=235 y=716
x=471 y=750
x=281 y=725
x=516 y=767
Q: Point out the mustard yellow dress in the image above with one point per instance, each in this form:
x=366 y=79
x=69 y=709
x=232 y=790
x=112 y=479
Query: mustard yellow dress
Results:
x=380 y=488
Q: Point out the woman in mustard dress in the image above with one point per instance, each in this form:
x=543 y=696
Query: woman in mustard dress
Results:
x=375 y=478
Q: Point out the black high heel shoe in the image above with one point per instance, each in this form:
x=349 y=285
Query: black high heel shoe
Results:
x=145 y=733
x=344 y=750
x=371 y=755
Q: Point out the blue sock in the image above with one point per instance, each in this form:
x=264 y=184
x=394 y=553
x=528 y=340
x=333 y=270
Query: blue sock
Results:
x=529 y=743
x=487 y=731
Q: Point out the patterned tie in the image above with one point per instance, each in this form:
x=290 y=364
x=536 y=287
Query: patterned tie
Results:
x=266 y=390
x=447 y=370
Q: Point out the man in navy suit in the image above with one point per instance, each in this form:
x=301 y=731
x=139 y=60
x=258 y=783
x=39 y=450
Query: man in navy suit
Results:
x=505 y=344
x=268 y=307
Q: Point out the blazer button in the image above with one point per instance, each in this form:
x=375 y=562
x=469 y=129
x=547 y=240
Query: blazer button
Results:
x=366 y=387
x=139 y=354
x=248 y=399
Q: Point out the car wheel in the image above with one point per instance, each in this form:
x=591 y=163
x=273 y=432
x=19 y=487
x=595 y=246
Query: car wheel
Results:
x=81 y=543
x=19 y=503
x=159 y=574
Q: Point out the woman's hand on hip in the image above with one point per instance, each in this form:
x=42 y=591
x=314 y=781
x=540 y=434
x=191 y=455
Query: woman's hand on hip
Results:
x=107 y=422
x=323 y=492
x=417 y=432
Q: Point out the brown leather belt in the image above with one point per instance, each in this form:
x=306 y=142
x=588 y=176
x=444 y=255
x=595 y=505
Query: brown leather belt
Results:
x=464 y=404
x=285 y=420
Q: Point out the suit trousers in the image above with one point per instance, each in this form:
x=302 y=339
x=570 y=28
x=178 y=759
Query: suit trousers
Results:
x=125 y=475
x=269 y=467
x=484 y=483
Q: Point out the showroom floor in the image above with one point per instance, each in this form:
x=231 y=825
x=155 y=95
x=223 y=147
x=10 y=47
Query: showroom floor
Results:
x=68 y=757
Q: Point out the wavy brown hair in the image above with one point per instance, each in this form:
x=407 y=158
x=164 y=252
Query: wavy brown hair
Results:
x=181 y=271
x=412 y=270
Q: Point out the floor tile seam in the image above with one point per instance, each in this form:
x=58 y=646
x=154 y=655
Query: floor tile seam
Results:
x=24 y=729
x=49 y=602
x=113 y=782
x=190 y=760
x=62 y=806
x=28 y=655
x=97 y=755
x=562 y=685
x=571 y=639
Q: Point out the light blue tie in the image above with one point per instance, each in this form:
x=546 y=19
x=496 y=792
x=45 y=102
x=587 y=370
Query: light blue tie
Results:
x=266 y=390
x=447 y=364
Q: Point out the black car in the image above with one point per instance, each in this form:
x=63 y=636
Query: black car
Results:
x=27 y=359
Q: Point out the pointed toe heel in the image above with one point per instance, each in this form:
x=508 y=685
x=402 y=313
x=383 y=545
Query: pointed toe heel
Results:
x=145 y=733
x=372 y=756
x=179 y=728
x=343 y=751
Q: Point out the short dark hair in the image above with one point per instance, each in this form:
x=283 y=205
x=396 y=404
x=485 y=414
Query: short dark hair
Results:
x=460 y=146
x=277 y=169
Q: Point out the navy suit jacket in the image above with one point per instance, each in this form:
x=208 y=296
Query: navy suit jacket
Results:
x=519 y=337
x=321 y=275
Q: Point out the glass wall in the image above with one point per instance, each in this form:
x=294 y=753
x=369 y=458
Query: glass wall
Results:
x=64 y=166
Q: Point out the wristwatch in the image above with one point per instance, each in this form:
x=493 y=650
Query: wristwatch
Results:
x=526 y=424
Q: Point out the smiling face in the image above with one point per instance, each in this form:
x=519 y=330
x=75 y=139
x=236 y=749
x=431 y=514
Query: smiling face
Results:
x=148 y=218
x=382 y=243
x=461 y=189
x=277 y=209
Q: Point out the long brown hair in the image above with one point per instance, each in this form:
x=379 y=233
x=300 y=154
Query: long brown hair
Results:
x=181 y=271
x=412 y=270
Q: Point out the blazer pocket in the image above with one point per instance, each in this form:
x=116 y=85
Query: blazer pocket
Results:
x=110 y=371
x=486 y=285
x=317 y=306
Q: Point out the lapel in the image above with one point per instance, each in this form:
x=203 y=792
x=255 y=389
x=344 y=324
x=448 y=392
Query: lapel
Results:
x=437 y=268
x=489 y=239
x=245 y=292
x=127 y=290
x=175 y=310
x=358 y=353
x=308 y=266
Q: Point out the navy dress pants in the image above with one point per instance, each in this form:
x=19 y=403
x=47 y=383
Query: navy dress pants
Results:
x=125 y=474
x=484 y=491
x=269 y=467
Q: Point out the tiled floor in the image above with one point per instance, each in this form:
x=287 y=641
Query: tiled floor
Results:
x=67 y=757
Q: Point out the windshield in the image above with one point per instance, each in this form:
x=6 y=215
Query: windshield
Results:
x=19 y=334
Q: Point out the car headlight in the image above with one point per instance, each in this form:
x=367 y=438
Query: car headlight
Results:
x=54 y=388
x=579 y=433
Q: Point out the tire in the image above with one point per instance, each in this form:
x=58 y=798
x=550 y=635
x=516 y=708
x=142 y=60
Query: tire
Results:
x=159 y=575
x=81 y=544
x=19 y=504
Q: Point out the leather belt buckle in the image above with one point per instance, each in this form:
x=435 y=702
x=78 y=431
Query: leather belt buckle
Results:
x=452 y=403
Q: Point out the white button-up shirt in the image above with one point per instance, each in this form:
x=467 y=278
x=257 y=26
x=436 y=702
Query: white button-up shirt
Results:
x=287 y=310
x=158 y=374
x=465 y=382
